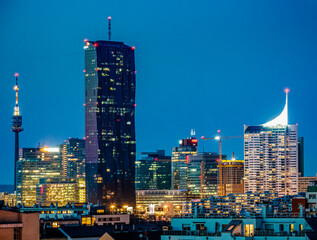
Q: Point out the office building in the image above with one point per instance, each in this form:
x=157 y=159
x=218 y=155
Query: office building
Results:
x=110 y=122
x=180 y=157
x=73 y=158
x=202 y=175
x=154 y=202
x=304 y=182
x=301 y=157
x=271 y=156
x=61 y=191
x=232 y=177
x=35 y=164
x=153 y=171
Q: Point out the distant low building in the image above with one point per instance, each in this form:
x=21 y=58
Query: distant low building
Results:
x=160 y=201
x=304 y=182
x=8 y=198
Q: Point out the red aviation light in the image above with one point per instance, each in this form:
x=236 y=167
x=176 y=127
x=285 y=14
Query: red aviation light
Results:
x=96 y=44
x=96 y=103
x=286 y=90
x=187 y=159
x=134 y=105
x=155 y=159
x=109 y=18
x=118 y=120
x=16 y=74
x=85 y=40
x=84 y=70
x=134 y=72
x=133 y=48
x=85 y=104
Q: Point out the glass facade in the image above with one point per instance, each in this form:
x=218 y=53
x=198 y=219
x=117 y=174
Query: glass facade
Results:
x=153 y=171
x=73 y=158
x=180 y=156
x=61 y=191
x=109 y=123
x=35 y=164
x=231 y=178
x=202 y=175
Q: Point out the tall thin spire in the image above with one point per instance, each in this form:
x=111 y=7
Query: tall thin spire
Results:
x=16 y=88
x=109 y=28
x=16 y=126
x=282 y=119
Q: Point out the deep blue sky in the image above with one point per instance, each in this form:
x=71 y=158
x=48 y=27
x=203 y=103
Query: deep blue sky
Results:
x=206 y=65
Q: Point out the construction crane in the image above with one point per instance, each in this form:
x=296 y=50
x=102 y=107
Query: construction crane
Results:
x=219 y=139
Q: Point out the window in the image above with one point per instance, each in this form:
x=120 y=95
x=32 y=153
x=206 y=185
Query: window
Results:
x=186 y=227
x=249 y=230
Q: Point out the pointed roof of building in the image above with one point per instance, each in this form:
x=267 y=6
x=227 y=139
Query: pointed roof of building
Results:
x=282 y=119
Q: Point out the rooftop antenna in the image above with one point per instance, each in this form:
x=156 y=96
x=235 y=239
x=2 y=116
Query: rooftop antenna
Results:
x=192 y=132
x=109 y=28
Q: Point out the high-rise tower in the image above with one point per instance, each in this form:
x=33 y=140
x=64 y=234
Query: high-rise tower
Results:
x=271 y=156
x=109 y=123
x=16 y=126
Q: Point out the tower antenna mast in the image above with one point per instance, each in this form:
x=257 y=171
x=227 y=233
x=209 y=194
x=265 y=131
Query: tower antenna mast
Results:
x=109 y=28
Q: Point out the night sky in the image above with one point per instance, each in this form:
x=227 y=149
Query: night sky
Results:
x=206 y=65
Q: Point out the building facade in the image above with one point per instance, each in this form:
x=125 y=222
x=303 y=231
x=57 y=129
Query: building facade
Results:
x=73 y=158
x=202 y=175
x=35 y=164
x=110 y=122
x=301 y=157
x=153 y=171
x=180 y=157
x=232 y=177
x=271 y=156
x=304 y=182
x=61 y=191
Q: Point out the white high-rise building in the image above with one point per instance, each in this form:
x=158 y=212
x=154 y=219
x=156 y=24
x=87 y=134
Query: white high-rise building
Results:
x=271 y=156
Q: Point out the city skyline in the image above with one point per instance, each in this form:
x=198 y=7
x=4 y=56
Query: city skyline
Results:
x=164 y=78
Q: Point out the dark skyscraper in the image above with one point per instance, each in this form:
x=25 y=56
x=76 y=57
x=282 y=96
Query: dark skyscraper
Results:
x=109 y=123
x=16 y=127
